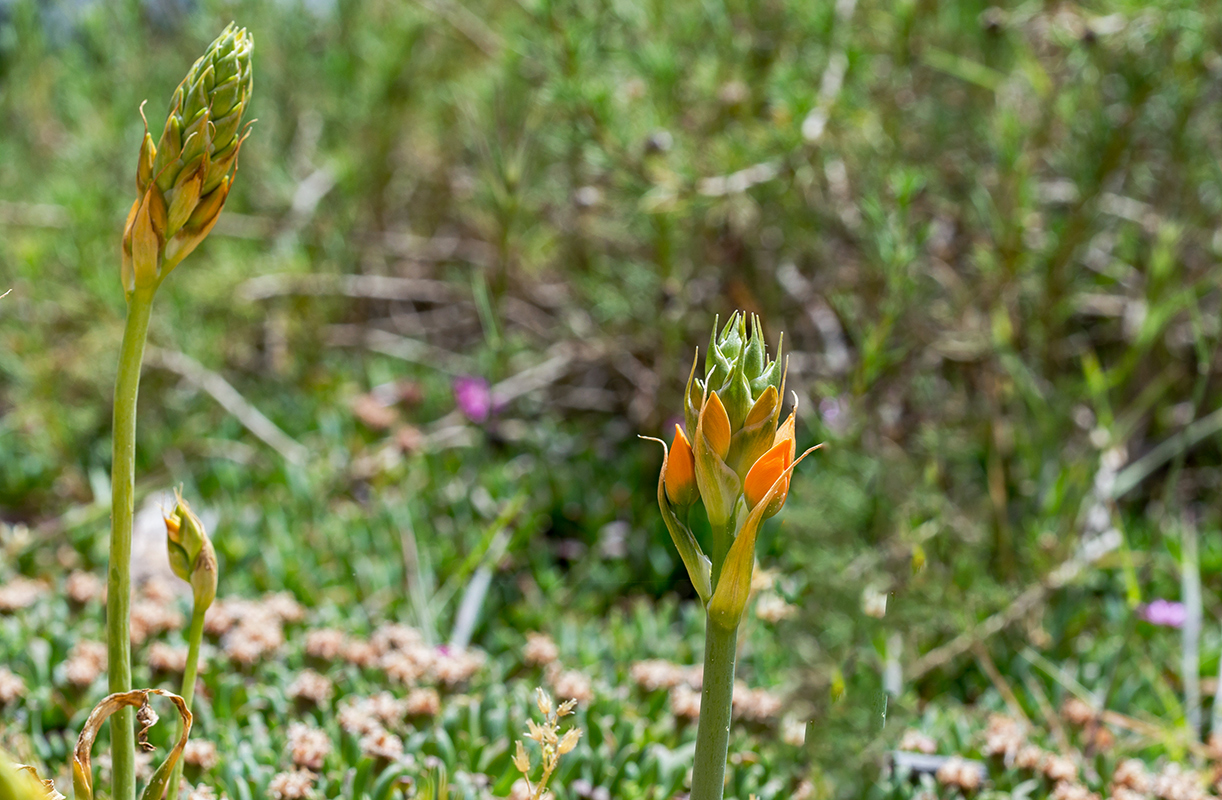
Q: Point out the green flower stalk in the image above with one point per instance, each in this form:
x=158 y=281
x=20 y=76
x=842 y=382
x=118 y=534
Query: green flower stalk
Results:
x=193 y=559
x=737 y=460
x=183 y=183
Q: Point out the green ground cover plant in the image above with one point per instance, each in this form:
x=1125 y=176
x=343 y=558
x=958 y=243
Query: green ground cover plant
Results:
x=473 y=243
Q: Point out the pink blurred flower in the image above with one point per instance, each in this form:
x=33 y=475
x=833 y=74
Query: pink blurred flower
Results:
x=1167 y=613
x=474 y=397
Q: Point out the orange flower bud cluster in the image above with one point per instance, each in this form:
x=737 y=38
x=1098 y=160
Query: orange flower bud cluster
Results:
x=737 y=461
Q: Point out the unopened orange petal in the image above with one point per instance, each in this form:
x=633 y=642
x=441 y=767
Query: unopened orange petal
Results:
x=763 y=408
x=715 y=425
x=680 y=475
x=765 y=472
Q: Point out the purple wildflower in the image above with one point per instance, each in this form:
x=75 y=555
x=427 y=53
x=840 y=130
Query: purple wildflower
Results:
x=474 y=397
x=1167 y=613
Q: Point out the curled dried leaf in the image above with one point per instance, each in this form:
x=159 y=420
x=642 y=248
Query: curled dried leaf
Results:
x=82 y=769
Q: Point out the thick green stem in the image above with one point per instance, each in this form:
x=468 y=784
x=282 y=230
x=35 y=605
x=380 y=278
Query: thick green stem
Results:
x=122 y=510
x=194 y=636
x=716 y=703
x=723 y=537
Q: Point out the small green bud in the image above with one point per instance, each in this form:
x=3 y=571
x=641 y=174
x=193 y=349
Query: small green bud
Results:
x=192 y=556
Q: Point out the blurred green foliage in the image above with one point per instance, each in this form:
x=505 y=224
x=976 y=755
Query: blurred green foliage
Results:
x=989 y=234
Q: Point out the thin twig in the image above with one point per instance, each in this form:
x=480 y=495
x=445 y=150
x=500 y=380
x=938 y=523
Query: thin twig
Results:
x=411 y=350
x=1099 y=538
x=999 y=682
x=466 y=23
x=372 y=287
x=965 y=641
x=34 y=215
x=230 y=399
x=1147 y=465
x=436 y=248
x=1018 y=608
x=1046 y=711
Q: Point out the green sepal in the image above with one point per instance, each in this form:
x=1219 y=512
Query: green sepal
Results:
x=180 y=562
x=736 y=396
x=692 y=398
x=227 y=67
x=204 y=577
x=186 y=196
x=772 y=374
x=197 y=96
x=225 y=131
x=226 y=96
x=716 y=365
x=222 y=162
x=734 y=336
x=699 y=567
x=194 y=141
x=753 y=355
x=165 y=165
x=144 y=168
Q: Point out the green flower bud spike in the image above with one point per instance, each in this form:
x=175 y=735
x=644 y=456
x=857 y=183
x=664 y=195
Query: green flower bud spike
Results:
x=742 y=459
x=184 y=180
x=194 y=560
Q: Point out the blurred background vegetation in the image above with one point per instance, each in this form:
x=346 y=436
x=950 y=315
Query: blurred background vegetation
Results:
x=989 y=233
